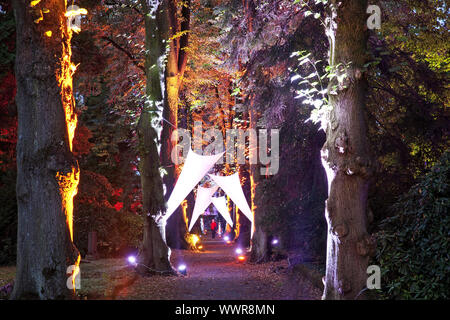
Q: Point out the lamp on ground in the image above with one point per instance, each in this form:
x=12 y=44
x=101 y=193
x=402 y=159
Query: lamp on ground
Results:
x=182 y=269
x=132 y=260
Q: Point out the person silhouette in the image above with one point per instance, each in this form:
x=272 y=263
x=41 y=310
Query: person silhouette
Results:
x=213 y=228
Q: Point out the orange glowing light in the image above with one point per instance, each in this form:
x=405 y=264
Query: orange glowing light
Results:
x=39 y=19
x=200 y=247
x=68 y=180
x=65 y=83
x=68 y=186
x=34 y=2
x=238 y=224
x=228 y=242
x=184 y=206
x=76 y=271
x=73 y=68
x=252 y=194
x=241 y=258
x=72 y=13
x=195 y=239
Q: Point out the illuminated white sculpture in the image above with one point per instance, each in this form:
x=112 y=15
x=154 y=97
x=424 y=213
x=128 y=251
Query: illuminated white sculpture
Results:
x=202 y=202
x=221 y=204
x=231 y=185
x=194 y=169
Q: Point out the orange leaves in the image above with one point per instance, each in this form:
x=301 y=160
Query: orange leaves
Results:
x=34 y=2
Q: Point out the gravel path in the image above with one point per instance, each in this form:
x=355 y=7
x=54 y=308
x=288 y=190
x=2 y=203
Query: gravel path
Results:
x=212 y=274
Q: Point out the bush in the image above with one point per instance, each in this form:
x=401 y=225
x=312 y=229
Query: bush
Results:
x=413 y=246
x=117 y=229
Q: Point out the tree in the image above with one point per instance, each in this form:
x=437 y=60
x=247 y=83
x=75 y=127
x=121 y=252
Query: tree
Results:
x=178 y=35
x=154 y=253
x=48 y=173
x=345 y=154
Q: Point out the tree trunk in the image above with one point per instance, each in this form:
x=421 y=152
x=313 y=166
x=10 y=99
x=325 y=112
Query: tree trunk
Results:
x=176 y=64
x=345 y=156
x=154 y=253
x=259 y=242
x=47 y=172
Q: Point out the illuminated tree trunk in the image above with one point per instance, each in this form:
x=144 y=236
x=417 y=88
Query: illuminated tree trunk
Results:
x=47 y=172
x=176 y=65
x=154 y=252
x=345 y=156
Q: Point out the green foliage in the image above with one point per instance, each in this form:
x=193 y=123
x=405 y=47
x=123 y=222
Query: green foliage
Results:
x=315 y=87
x=407 y=97
x=414 y=246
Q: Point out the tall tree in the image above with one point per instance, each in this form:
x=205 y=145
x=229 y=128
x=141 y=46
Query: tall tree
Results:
x=48 y=173
x=178 y=21
x=345 y=154
x=154 y=254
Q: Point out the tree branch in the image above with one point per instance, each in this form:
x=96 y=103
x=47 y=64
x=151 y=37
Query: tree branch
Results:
x=116 y=3
x=128 y=54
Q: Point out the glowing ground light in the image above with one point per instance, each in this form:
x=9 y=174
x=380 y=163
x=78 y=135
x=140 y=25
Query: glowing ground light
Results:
x=241 y=258
x=275 y=241
x=200 y=247
x=238 y=251
x=182 y=269
x=195 y=239
x=132 y=260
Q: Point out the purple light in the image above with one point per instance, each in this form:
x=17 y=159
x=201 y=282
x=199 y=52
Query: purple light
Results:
x=182 y=269
x=275 y=241
x=132 y=259
x=226 y=238
x=238 y=251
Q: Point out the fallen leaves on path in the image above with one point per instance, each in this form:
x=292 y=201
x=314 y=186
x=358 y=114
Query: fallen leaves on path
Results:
x=212 y=274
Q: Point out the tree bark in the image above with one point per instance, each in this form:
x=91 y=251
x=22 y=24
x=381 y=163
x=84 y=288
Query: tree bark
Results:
x=345 y=156
x=154 y=252
x=176 y=65
x=47 y=172
x=260 y=244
